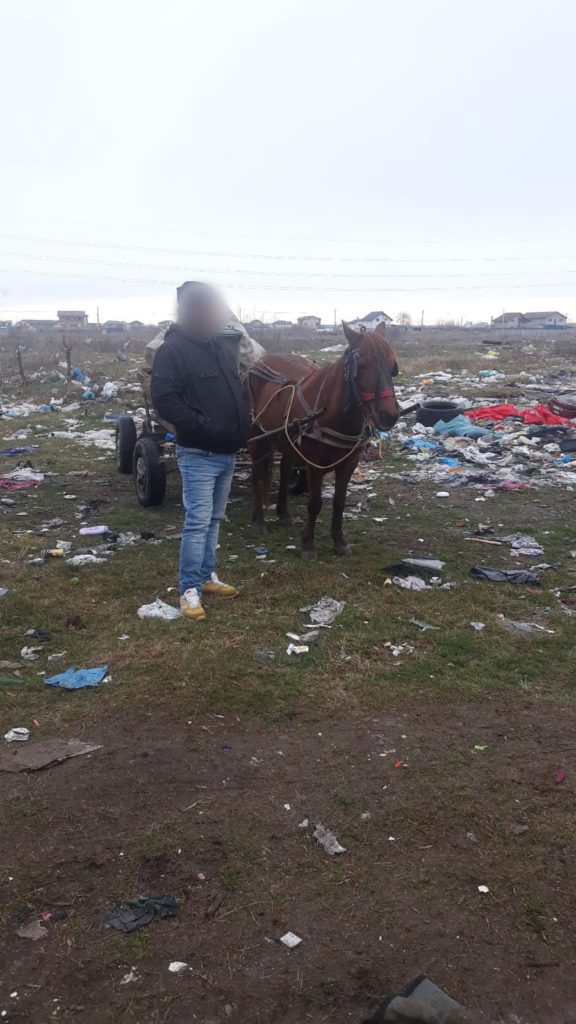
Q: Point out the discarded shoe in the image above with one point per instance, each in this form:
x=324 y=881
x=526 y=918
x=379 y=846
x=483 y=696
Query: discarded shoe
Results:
x=216 y=586
x=191 y=605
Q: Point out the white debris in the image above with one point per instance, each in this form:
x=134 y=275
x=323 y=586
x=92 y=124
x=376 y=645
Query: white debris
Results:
x=328 y=840
x=291 y=940
x=411 y=582
x=303 y=823
x=297 y=649
x=177 y=967
x=478 y=626
x=131 y=976
x=159 y=610
x=483 y=888
x=30 y=653
x=17 y=735
x=325 y=611
x=79 y=560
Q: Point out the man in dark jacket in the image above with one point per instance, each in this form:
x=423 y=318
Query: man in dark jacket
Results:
x=196 y=388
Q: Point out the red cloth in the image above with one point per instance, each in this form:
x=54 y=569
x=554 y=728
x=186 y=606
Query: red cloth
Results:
x=539 y=415
x=15 y=485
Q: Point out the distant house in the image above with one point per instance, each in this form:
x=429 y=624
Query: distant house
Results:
x=255 y=325
x=282 y=325
x=134 y=325
x=36 y=325
x=4 y=324
x=114 y=325
x=372 y=320
x=72 y=319
x=311 y=323
x=547 y=319
x=508 y=320
x=164 y=324
x=550 y=318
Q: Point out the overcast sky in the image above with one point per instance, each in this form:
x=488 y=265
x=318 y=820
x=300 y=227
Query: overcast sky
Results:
x=310 y=156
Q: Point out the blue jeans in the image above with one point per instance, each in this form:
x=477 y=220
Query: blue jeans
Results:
x=206 y=480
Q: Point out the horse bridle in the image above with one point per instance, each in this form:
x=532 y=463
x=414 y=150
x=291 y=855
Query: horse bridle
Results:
x=357 y=398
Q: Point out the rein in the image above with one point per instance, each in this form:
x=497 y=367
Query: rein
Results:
x=355 y=399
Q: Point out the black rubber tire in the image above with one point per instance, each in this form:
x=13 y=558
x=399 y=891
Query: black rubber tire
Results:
x=149 y=473
x=431 y=413
x=125 y=443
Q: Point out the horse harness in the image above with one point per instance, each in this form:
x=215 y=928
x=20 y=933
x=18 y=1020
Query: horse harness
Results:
x=313 y=429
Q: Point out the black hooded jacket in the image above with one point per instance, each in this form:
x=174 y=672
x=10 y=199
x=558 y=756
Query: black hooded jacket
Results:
x=196 y=388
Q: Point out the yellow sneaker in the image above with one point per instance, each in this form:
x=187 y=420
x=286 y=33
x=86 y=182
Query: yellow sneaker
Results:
x=191 y=605
x=215 y=586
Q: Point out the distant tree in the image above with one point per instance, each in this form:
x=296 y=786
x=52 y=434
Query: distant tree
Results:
x=445 y=323
x=404 y=319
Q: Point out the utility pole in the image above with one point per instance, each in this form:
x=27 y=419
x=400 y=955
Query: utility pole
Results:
x=335 y=320
x=98 y=315
x=422 y=319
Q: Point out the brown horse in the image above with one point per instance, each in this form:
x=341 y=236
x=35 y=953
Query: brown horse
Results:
x=342 y=405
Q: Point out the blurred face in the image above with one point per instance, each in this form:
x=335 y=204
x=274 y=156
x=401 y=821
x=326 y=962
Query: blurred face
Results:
x=201 y=313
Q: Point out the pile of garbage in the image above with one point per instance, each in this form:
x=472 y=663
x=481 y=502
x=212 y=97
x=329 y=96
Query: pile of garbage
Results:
x=493 y=445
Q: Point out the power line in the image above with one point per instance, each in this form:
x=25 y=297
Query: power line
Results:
x=288 y=288
x=275 y=256
x=186 y=268
x=288 y=238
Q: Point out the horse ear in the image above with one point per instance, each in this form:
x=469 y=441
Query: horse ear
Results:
x=352 y=337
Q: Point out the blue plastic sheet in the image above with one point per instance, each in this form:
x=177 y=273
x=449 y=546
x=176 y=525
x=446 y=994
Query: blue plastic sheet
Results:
x=460 y=426
x=78 y=375
x=77 y=678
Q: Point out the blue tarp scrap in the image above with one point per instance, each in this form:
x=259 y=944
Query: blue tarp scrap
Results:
x=77 y=678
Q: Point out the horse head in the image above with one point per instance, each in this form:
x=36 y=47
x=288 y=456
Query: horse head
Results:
x=370 y=364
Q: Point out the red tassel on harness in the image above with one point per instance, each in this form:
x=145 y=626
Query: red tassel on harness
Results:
x=369 y=396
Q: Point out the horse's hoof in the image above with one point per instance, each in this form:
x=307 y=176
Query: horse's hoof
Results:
x=309 y=555
x=342 y=549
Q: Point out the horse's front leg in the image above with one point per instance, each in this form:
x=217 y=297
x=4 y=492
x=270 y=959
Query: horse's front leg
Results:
x=343 y=474
x=315 y=477
x=282 y=503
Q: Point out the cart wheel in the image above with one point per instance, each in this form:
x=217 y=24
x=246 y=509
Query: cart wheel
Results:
x=125 y=442
x=149 y=473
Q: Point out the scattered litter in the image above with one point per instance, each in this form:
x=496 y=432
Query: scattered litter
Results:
x=303 y=823
x=77 y=678
x=291 y=940
x=325 y=611
x=397 y=649
x=130 y=977
x=93 y=531
x=442 y=494
x=483 y=888
x=43 y=754
x=297 y=649
x=517 y=576
x=17 y=735
x=411 y=583
x=422 y=625
x=79 y=560
x=365 y=816
x=3 y=591
x=429 y=564
x=478 y=626
x=178 y=966
x=523 y=627
x=34 y=930
x=328 y=840
x=560 y=777
x=158 y=610
x=30 y=653
x=135 y=914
